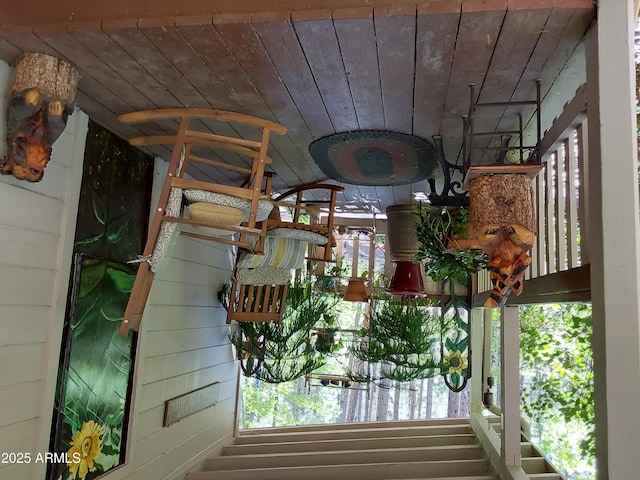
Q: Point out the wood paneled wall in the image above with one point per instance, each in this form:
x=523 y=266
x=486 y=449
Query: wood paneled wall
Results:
x=183 y=344
x=37 y=223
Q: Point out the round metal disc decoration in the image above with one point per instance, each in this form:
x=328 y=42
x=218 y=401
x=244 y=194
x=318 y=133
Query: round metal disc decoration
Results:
x=374 y=157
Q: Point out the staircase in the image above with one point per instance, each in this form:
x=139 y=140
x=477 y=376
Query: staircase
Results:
x=534 y=464
x=424 y=449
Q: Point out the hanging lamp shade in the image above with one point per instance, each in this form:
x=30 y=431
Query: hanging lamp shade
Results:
x=356 y=291
x=407 y=279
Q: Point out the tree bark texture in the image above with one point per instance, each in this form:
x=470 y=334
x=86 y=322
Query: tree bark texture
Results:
x=502 y=199
x=55 y=78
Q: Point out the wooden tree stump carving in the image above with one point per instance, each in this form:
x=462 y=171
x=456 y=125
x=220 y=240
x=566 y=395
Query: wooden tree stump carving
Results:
x=504 y=222
x=40 y=101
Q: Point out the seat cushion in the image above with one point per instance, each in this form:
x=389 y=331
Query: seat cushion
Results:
x=264 y=206
x=210 y=212
x=266 y=275
x=298 y=234
x=169 y=232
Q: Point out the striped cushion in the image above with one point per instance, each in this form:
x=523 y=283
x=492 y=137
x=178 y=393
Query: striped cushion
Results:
x=278 y=252
x=169 y=232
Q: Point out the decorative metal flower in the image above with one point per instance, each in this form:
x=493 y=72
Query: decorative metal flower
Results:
x=457 y=362
x=86 y=445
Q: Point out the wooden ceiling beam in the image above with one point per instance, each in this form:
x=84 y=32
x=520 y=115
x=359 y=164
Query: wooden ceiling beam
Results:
x=34 y=12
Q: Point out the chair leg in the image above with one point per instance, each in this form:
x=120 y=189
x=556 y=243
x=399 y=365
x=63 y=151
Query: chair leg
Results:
x=137 y=299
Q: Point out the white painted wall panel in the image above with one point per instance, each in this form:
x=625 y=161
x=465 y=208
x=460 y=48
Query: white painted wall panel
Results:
x=183 y=340
x=37 y=223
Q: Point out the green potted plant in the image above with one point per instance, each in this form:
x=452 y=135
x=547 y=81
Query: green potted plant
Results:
x=281 y=352
x=404 y=338
x=445 y=246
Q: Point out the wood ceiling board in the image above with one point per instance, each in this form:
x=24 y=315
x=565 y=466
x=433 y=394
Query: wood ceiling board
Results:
x=130 y=70
x=477 y=36
x=138 y=46
x=211 y=49
x=9 y=52
x=435 y=42
x=395 y=37
x=357 y=41
x=401 y=196
x=24 y=39
x=284 y=50
x=173 y=46
x=518 y=38
x=251 y=56
x=320 y=45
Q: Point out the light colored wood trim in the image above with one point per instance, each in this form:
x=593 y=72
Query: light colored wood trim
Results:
x=510 y=382
x=550 y=241
x=573 y=114
x=146 y=115
x=197 y=140
x=571 y=285
x=571 y=172
x=560 y=213
x=584 y=209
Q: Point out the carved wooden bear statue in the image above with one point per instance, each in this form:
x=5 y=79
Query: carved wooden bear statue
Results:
x=34 y=123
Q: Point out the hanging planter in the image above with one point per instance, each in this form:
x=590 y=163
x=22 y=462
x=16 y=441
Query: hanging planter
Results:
x=503 y=219
x=440 y=233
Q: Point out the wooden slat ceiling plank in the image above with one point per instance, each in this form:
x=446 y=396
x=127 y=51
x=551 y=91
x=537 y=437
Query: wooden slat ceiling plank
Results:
x=9 y=52
x=357 y=40
x=138 y=46
x=24 y=39
x=207 y=42
x=152 y=93
x=154 y=47
x=320 y=45
x=395 y=36
x=547 y=44
x=477 y=36
x=91 y=66
x=520 y=33
x=401 y=196
x=572 y=25
x=248 y=51
x=435 y=40
x=282 y=46
x=386 y=197
x=112 y=54
x=233 y=92
x=368 y=195
x=172 y=45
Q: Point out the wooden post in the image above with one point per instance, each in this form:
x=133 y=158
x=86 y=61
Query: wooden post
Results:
x=510 y=381
x=614 y=238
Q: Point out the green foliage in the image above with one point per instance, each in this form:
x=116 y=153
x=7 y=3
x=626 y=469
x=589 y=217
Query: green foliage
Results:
x=433 y=231
x=557 y=369
x=404 y=338
x=277 y=353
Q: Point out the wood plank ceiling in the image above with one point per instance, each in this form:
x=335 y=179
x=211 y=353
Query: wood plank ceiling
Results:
x=401 y=67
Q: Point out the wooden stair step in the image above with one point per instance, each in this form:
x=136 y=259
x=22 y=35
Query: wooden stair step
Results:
x=357 y=425
x=546 y=476
x=351 y=444
x=375 y=471
x=535 y=465
x=353 y=433
x=419 y=454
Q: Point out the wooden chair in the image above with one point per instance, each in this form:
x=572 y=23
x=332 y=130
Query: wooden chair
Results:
x=252 y=197
x=260 y=284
